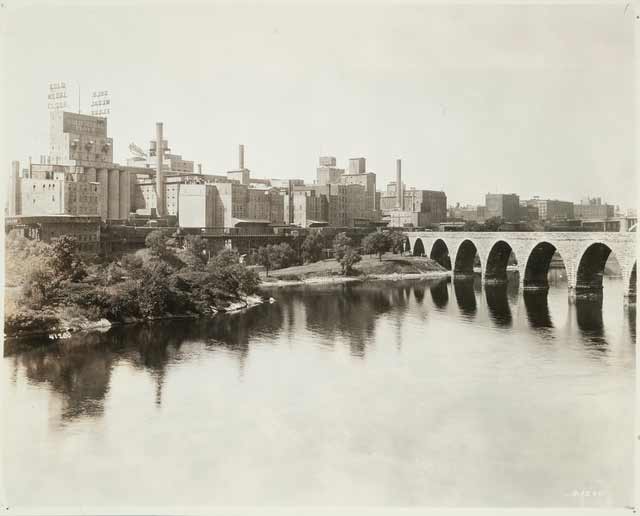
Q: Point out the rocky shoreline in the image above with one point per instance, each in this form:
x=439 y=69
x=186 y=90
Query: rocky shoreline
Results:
x=70 y=327
x=330 y=280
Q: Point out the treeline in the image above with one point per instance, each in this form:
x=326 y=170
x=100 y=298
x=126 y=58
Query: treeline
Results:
x=323 y=244
x=53 y=284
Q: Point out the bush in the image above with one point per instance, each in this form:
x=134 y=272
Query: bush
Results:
x=25 y=321
x=312 y=247
x=156 y=242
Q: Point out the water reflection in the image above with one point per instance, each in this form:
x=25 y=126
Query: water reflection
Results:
x=80 y=369
x=590 y=322
x=498 y=304
x=536 y=304
x=350 y=313
x=440 y=293
x=465 y=296
x=304 y=401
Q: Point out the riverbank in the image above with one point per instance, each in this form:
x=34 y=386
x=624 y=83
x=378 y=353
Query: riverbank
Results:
x=391 y=267
x=78 y=313
x=57 y=324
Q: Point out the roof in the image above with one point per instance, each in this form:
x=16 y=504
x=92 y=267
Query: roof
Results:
x=251 y=221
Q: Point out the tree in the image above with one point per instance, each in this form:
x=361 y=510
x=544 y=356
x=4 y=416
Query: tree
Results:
x=156 y=242
x=224 y=258
x=493 y=224
x=265 y=258
x=197 y=248
x=397 y=239
x=153 y=291
x=283 y=256
x=341 y=243
x=41 y=285
x=350 y=257
x=65 y=261
x=376 y=243
x=312 y=247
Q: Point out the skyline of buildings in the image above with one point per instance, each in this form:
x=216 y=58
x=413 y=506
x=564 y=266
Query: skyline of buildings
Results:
x=78 y=176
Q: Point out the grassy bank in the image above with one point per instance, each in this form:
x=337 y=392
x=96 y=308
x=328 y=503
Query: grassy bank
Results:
x=370 y=267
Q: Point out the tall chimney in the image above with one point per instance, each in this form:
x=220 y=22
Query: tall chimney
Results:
x=159 y=160
x=399 y=192
x=241 y=157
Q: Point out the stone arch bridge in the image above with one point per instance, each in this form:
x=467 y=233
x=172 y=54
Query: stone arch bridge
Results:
x=584 y=255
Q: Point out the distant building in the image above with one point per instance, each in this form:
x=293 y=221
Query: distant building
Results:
x=552 y=209
x=327 y=173
x=504 y=206
x=198 y=206
x=421 y=207
x=528 y=213
x=590 y=209
x=85 y=229
x=78 y=176
x=308 y=208
x=468 y=213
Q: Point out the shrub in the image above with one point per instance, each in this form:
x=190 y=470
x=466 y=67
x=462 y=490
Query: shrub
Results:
x=29 y=321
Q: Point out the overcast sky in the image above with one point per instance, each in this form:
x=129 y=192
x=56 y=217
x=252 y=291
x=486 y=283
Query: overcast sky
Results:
x=537 y=100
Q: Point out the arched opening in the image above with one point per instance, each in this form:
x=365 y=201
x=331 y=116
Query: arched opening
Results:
x=497 y=262
x=418 y=248
x=406 y=246
x=544 y=262
x=466 y=257
x=591 y=269
x=440 y=253
x=633 y=284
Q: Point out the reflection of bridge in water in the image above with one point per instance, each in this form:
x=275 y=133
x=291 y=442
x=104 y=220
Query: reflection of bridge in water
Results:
x=584 y=255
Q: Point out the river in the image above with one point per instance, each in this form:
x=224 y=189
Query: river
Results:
x=380 y=394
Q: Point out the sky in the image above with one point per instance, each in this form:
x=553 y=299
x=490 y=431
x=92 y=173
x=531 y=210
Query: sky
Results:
x=474 y=98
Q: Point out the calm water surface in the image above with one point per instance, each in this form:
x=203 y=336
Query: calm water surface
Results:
x=405 y=393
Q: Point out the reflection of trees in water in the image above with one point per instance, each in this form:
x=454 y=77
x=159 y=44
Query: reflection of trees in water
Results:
x=418 y=293
x=465 y=296
x=350 y=311
x=440 y=293
x=631 y=314
x=590 y=323
x=536 y=304
x=498 y=304
x=79 y=370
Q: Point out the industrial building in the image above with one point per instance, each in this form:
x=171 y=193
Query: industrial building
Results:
x=552 y=209
x=503 y=206
x=590 y=209
x=403 y=207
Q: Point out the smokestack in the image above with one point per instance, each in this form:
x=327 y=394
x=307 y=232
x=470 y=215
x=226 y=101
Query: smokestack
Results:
x=241 y=157
x=399 y=192
x=159 y=160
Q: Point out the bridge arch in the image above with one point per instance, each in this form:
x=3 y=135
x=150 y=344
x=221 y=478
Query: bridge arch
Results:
x=590 y=269
x=536 y=268
x=495 y=268
x=465 y=258
x=633 y=283
x=418 y=248
x=440 y=253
